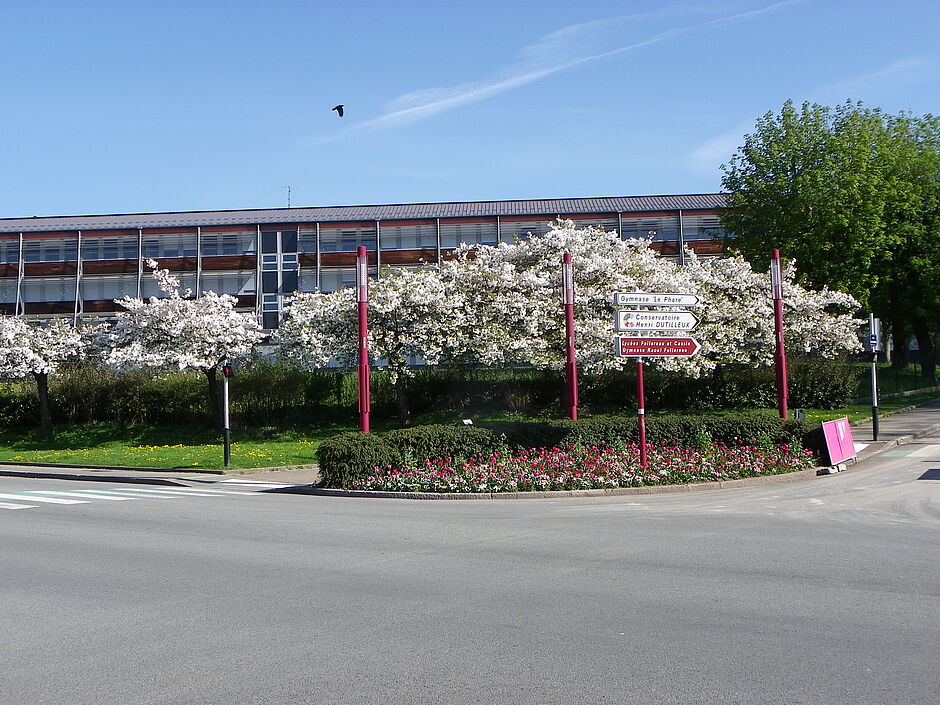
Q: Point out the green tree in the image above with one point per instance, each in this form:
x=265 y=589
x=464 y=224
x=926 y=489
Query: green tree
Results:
x=853 y=194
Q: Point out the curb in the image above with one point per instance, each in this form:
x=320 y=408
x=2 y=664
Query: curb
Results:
x=127 y=479
x=118 y=468
x=799 y=475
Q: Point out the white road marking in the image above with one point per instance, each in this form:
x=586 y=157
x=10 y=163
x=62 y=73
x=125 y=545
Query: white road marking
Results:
x=8 y=505
x=253 y=483
x=171 y=493
x=89 y=494
x=48 y=500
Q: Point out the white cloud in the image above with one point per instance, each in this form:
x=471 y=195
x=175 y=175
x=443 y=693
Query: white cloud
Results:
x=559 y=50
x=708 y=156
x=886 y=81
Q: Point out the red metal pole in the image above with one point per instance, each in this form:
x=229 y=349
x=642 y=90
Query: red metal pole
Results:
x=362 y=298
x=780 y=353
x=571 y=366
x=641 y=411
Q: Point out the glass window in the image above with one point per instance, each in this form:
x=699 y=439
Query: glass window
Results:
x=408 y=237
x=512 y=230
x=48 y=289
x=7 y=290
x=215 y=244
x=308 y=280
x=346 y=239
x=149 y=286
x=229 y=282
x=452 y=234
x=308 y=240
x=665 y=228
x=9 y=251
x=701 y=227
x=334 y=278
x=606 y=224
x=106 y=288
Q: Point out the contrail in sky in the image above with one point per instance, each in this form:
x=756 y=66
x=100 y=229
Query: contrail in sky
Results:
x=538 y=61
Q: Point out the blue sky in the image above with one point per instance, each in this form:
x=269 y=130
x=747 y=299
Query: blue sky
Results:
x=122 y=107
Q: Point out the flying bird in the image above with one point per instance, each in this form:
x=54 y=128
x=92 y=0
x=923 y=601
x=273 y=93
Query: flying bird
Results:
x=339 y=110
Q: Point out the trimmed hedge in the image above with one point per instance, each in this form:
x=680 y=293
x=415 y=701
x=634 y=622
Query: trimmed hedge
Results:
x=349 y=456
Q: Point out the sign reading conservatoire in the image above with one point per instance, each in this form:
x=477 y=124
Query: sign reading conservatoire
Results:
x=640 y=298
x=655 y=320
x=657 y=347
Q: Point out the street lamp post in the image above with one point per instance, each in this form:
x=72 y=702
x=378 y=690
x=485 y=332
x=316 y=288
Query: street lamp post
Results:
x=362 y=299
x=780 y=354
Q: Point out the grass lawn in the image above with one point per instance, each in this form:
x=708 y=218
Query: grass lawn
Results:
x=188 y=447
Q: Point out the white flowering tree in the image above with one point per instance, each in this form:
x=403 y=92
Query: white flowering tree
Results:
x=411 y=315
x=512 y=294
x=178 y=331
x=37 y=349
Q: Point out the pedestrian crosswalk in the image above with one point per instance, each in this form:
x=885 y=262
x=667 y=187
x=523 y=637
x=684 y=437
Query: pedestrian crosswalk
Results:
x=33 y=499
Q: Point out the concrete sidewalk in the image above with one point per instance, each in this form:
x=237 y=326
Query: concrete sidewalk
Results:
x=897 y=429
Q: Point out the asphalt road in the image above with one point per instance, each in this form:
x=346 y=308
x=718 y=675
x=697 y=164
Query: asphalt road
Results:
x=823 y=591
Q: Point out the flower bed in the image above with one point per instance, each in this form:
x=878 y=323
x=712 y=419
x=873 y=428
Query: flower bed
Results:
x=585 y=468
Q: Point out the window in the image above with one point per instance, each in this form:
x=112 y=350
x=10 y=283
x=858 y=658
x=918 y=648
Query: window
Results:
x=657 y=229
x=308 y=240
x=170 y=245
x=9 y=251
x=512 y=230
x=346 y=239
x=452 y=234
x=608 y=225
x=408 y=237
x=334 y=278
x=111 y=248
x=51 y=250
x=7 y=290
x=106 y=288
x=149 y=286
x=234 y=283
x=236 y=243
x=48 y=289
x=701 y=227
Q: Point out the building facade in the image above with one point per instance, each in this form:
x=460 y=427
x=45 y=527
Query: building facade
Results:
x=78 y=265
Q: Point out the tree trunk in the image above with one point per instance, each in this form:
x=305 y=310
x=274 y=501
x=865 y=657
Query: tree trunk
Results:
x=401 y=394
x=899 y=338
x=45 y=418
x=928 y=353
x=215 y=408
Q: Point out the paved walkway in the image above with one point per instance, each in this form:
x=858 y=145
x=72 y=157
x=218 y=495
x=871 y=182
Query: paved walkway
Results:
x=897 y=429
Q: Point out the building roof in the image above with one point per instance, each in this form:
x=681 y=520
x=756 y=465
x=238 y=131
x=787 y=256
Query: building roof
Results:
x=548 y=207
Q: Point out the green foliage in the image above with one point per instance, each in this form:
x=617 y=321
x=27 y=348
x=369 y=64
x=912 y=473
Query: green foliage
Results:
x=822 y=386
x=349 y=456
x=853 y=194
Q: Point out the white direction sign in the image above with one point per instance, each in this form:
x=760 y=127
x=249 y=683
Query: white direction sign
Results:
x=639 y=298
x=655 y=320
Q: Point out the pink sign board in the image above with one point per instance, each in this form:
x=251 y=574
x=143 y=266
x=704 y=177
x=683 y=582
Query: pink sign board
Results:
x=839 y=443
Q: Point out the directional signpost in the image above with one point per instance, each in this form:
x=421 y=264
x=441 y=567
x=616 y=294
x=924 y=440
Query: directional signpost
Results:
x=655 y=320
x=639 y=318
x=640 y=298
x=657 y=347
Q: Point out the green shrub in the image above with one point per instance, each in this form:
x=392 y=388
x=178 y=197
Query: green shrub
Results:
x=817 y=384
x=348 y=456
x=19 y=403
